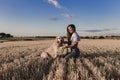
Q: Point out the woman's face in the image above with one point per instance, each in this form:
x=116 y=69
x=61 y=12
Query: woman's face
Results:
x=70 y=29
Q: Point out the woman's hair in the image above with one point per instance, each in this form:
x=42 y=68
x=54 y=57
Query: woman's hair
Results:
x=68 y=33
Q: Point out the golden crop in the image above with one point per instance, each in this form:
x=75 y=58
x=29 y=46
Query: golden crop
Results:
x=99 y=60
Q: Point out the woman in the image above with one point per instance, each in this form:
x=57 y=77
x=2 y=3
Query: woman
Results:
x=73 y=39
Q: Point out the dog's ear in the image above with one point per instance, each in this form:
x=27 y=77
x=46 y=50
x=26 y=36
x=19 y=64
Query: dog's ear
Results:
x=62 y=39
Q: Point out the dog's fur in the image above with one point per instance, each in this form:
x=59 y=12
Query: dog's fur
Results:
x=55 y=49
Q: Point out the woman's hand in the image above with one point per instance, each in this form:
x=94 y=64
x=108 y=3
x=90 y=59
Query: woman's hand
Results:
x=74 y=44
x=65 y=47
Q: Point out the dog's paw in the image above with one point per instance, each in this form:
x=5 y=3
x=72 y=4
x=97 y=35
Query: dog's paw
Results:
x=44 y=55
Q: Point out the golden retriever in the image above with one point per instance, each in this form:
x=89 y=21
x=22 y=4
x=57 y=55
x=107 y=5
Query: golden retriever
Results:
x=55 y=49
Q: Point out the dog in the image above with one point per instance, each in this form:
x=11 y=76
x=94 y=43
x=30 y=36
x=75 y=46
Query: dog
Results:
x=55 y=49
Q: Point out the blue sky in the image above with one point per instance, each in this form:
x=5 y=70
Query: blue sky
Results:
x=51 y=17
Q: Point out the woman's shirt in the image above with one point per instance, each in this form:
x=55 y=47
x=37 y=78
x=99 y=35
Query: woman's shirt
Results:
x=75 y=37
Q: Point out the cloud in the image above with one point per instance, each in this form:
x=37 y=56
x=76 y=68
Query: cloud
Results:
x=68 y=16
x=55 y=3
x=54 y=19
x=96 y=30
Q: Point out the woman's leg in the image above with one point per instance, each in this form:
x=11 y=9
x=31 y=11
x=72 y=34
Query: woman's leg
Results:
x=74 y=54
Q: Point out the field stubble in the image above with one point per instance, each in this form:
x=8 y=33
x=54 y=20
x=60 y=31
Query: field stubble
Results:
x=20 y=60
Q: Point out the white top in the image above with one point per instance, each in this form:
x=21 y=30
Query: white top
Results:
x=75 y=37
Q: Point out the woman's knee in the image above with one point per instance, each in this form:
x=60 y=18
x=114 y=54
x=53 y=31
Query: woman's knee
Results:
x=72 y=55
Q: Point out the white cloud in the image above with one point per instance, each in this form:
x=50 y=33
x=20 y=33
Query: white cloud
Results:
x=68 y=16
x=55 y=3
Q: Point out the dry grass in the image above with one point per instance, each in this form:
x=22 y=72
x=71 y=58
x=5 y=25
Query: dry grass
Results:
x=20 y=60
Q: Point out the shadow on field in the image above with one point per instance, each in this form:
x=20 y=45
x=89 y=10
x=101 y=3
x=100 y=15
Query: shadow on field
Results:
x=34 y=69
x=105 y=54
x=56 y=69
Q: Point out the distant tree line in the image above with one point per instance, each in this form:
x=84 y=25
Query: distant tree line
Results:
x=4 y=35
x=100 y=37
x=45 y=36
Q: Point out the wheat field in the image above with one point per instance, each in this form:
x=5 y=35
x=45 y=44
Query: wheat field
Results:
x=99 y=60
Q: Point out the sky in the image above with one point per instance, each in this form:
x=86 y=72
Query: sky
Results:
x=51 y=17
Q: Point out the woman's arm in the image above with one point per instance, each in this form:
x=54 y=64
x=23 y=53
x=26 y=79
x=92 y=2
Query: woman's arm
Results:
x=74 y=44
x=65 y=42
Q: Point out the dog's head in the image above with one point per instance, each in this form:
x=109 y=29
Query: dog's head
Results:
x=59 y=41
